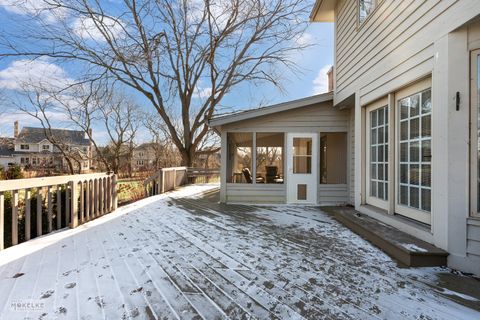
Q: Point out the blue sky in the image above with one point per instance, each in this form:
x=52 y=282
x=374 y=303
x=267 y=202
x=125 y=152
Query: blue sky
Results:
x=314 y=62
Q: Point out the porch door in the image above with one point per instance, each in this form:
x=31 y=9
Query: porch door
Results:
x=475 y=134
x=302 y=165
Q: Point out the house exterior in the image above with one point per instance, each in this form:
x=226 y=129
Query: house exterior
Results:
x=403 y=119
x=144 y=157
x=30 y=148
x=408 y=71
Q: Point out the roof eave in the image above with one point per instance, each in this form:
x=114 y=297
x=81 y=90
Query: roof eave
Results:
x=284 y=106
x=323 y=11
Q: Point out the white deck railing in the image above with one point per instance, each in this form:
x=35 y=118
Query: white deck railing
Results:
x=168 y=179
x=76 y=200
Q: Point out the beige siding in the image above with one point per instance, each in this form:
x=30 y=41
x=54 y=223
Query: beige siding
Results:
x=394 y=46
x=333 y=194
x=262 y=193
x=473 y=238
x=316 y=118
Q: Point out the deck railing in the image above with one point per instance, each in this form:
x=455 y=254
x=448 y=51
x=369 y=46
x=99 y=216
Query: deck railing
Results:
x=73 y=200
x=168 y=179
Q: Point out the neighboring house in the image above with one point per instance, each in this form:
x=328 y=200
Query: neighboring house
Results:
x=6 y=152
x=144 y=157
x=32 y=149
x=406 y=89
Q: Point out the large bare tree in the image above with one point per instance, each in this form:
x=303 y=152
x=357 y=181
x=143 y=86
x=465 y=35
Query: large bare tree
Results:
x=182 y=56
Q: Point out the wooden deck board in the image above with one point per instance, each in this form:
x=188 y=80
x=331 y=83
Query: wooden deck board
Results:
x=184 y=256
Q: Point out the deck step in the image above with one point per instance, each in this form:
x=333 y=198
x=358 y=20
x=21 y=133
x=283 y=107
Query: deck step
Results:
x=399 y=245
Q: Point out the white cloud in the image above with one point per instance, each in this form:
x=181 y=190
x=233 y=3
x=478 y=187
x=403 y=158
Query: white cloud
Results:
x=26 y=120
x=33 y=73
x=306 y=39
x=86 y=28
x=49 y=13
x=202 y=93
x=320 y=83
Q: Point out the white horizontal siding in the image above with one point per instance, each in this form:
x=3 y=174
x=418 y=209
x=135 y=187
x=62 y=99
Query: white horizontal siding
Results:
x=316 y=118
x=473 y=237
x=333 y=193
x=395 y=40
x=256 y=193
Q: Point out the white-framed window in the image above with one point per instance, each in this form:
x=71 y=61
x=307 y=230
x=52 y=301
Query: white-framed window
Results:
x=24 y=147
x=46 y=147
x=414 y=152
x=377 y=137
x=365 y=9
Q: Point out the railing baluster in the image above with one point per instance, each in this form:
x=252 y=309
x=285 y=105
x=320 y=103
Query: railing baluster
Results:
x=50 y=208
x=115 y=193
x=73 y=203
x=2 y=220
x=39 y=212
x=59 y=207
x=95 y=196
x=100 y=196
x=87 y=200
x=14 y=217
x=105 y=196
x=67 y=204
x=28 y=214
x=82 y=203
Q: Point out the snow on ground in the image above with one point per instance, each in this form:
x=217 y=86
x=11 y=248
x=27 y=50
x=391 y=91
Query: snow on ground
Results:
x=184 y=256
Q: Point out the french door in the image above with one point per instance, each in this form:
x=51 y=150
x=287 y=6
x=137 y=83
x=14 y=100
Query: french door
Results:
x=475 y=134
x=377 y=154
x=413 y=152
x=302 y=164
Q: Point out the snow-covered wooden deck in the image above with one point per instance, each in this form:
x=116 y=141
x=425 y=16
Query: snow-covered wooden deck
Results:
x=182 y=255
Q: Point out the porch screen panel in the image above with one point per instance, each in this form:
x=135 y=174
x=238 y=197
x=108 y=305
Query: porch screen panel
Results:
x=379 y=153
x=415 y=155
x=269 y=157
x=239 y=157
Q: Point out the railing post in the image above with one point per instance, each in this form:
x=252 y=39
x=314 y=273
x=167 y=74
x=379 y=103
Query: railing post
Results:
x=82 y=202
x=14 y=217
x=68 y=199
x=2 y=220
x=74 y=204
x=28 y=214
x=174 y=178
x=162 y=175
x=115 y=192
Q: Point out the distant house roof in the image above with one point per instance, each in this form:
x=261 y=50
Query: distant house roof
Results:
x=284 y=106
x=6 y=147
x=146 y=146
x=36 y=135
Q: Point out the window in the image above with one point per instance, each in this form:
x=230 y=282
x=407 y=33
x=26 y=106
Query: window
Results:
x=140 y=154
x=46 y=147
x=269 y=158
x=24 y=147
x=378 y=153
x=365 y=8
x=239 y=157
x=302 y=155
x=414 y=153
x=34 y=161
x=333 y=158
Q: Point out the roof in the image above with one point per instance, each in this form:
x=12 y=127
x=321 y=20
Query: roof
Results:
x=323 y=11
x=6 y=147
x=36 y=135
x=258 y=112
x=146 y=146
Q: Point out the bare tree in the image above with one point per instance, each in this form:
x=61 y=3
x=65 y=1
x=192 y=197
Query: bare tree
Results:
x=41 y=107
x=182 y=56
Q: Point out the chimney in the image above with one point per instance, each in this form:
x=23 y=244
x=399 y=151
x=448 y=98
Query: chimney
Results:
x=330 y=79
x=16 y=129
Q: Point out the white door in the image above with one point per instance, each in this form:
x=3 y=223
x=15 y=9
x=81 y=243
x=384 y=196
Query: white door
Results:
x=302 y=153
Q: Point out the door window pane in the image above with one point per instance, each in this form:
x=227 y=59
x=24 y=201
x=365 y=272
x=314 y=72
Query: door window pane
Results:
x=379 y=153
x=302 y=155
x=415 y=154
x=269 y=157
